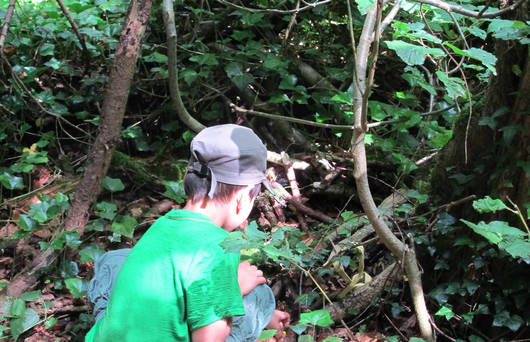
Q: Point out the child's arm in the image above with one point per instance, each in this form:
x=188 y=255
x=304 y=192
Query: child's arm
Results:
x=248 y=277
x=217 y=331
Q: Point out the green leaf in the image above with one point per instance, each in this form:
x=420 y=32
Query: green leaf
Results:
x=17 y=308
x=11 y=182
x=41 y=212
x=253 y=234
x=91 y=252
x=31 y=296
x=50 y=322
x=53 y=63
x=205 y=59
x=412 y=54
x=47 y=49
x=175 y=191
x=453 y=85
x=106 y=210
x=477 y=32
x=416 y=339
x=68 y=269
x=274 y=62
x=306 y=299
x=124 y=225
x=363 y=6
x=77 y=287
x=267 y=333
x=113 y=184
x=27 y=223
x=234 y=242
x=446 y=312
x=298 y=328
x=242 y=81
x=24 y=323
x=320 y=318
x=489 y=205
x=332 y=339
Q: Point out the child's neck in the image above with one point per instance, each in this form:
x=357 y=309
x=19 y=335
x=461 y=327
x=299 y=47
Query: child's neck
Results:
x=210 y=209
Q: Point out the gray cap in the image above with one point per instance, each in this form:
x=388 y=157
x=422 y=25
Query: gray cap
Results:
x=231 y=154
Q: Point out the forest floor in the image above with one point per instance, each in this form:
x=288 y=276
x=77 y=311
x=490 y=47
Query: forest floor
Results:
x=65 y=317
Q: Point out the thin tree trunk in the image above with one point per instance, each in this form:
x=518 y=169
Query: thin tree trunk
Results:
x=171 y=34
x=100 y=154
x=400 y=250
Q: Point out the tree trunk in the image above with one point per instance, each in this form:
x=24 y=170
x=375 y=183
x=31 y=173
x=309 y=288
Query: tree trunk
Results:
x=100 y=154
x=488 y=148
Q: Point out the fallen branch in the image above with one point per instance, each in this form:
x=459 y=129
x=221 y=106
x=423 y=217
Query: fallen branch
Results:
x=274 y=10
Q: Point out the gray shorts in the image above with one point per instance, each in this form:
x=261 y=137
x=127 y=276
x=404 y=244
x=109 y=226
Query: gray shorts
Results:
x=259 y=304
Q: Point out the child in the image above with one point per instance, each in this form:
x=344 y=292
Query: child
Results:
x=177 y=283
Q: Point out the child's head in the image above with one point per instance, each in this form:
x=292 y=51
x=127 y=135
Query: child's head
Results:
x=226 y=161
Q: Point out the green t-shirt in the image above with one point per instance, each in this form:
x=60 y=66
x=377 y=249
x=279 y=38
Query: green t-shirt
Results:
x=176 y=279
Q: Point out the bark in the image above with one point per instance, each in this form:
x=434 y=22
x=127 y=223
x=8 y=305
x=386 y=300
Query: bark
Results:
x=5 y=26
x=100 y=154
x=485 y=145
x=400 y=250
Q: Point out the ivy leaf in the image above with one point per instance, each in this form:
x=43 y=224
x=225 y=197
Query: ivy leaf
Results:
x=412 y=54
x=113 y=184
x=91 y=252
x=320 y=318
x=47 y=49
x=29 y=319
x=124 y=225
x=489 y=205
x=77 y=287
x=175 y=191
x=11 y=181
x=306 y=299
x=446 y=312
x=27 y=223
x=106 y=210
x=205 y=59
x=266 y=334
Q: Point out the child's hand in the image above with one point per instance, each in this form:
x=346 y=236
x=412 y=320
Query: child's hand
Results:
x=248 y=277
x=279 y=321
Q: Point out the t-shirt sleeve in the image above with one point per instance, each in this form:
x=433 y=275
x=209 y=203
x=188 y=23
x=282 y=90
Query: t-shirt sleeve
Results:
x=211 y=288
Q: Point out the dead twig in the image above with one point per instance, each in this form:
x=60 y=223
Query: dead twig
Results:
x=86 y=54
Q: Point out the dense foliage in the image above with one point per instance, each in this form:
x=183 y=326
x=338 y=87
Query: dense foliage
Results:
x=430 y=76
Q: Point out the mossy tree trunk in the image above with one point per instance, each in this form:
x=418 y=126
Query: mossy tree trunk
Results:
x=497 y=154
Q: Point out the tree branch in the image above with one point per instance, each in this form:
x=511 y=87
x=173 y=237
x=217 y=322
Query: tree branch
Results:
x=86 y=54
x=274 y=10
x=461 y=10
x=5 y=27
x=171 y=34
